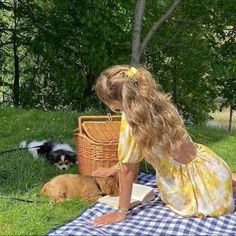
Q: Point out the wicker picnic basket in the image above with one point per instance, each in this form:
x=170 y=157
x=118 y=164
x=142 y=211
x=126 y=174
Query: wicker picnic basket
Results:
x=96 y=141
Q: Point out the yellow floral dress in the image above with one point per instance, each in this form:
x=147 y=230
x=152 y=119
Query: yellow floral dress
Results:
x=203 y=187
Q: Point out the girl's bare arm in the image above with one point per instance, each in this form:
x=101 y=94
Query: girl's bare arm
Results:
x=127 y=175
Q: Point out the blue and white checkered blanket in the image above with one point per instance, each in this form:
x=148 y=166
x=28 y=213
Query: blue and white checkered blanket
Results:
x=153 y=218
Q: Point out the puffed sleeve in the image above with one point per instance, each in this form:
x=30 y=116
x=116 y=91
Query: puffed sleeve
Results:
x=128 y=150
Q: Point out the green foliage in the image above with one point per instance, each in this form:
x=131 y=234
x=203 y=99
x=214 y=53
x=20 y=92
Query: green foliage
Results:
x=74 y=43
x=21 y=176
x=67 y=44
x=224 y=69
x=64 y=45
x=182 y=56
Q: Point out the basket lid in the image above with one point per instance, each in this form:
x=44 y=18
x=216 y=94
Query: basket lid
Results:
x=102 y=131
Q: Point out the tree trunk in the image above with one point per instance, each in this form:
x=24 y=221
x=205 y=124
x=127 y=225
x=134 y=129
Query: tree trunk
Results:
x=230 y=118
x=16 y=84
x=174 y=86
x=138 y=47
x=136 y=35
x=88 y=89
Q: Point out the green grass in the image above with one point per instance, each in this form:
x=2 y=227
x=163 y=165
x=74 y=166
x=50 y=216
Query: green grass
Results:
x=22 y=177
x=220 y=141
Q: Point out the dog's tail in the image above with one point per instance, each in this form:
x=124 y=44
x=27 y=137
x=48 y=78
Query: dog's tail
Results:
x=23 y=144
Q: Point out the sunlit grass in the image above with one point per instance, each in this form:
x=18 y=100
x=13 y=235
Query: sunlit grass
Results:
x=223 y=115
x=221 y=119
x=22 y=177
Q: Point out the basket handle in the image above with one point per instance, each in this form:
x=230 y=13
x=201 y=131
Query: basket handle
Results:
x=108 y=117
x=76 y=131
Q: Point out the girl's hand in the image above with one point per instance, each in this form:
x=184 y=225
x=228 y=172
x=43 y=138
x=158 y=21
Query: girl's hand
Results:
x=109 y=218
x=104 y=172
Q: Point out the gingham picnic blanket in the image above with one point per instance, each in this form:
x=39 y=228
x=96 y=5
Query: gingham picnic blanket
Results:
x=152 y=218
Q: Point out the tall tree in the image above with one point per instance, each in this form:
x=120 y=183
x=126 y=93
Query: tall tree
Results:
x=62 y=46
x=72 y=44
x=139 y=45
x=13 y=33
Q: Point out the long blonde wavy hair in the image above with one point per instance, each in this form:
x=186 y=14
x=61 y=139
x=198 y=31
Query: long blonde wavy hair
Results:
x=149 y=112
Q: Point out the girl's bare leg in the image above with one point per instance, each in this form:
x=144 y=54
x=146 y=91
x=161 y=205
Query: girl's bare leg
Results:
x=234 y=182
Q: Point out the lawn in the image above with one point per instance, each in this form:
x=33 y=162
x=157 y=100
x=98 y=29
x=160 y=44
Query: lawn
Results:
x=22 y=177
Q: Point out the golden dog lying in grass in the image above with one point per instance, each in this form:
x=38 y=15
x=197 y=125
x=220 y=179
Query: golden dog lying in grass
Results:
x=84 y=187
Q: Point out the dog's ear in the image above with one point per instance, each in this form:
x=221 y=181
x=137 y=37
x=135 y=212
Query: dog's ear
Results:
x=52 y=157
x=72 y=156
x=110 y=186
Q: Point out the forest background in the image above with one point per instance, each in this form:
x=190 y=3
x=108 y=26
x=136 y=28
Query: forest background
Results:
x=52 y=51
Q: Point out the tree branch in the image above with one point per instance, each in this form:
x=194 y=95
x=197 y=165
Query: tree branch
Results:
x=23 y=57
x=157 y=25
x=29 y=10
x=175 y=35
x=169 y=43
x=136 y=35
x=182 y=21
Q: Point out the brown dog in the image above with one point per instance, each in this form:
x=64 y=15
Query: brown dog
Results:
x=84 y=187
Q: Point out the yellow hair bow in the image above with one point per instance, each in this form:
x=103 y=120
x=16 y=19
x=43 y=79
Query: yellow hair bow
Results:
x=131 y=72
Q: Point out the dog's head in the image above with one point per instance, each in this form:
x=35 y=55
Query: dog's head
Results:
x=63 y=159
x=109 y=185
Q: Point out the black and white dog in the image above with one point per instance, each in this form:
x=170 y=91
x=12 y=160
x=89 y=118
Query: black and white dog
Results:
x=57 y=153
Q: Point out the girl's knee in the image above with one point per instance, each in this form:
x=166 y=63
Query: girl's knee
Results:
x=234 y=181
